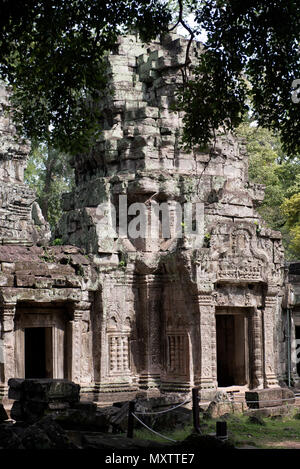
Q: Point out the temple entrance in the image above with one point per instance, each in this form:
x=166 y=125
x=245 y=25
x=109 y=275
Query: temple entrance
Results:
x=232 y=350
x=38 y=352
x=43 y=341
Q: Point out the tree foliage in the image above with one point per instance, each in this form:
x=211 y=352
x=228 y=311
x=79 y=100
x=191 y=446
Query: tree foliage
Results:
x=269 y=165
x=52 y=53
x=250 y=60
x=49 y=174
x=291 y=209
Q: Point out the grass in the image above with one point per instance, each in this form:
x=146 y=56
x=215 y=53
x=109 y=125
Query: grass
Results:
x=178 y=435
x=240 y=431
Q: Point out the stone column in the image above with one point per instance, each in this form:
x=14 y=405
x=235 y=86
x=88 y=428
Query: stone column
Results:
x=214 y=349
x=293 y=355
x=269 y=352
x=151 y=328
x=76 y=345
x=7 y=316
x=205 y=380
x=150 y=376
x=256 y=360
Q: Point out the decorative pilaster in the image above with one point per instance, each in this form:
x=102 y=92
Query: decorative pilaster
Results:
x=214 y=349
x=76 y=344
x=269 y=324
x=257 y=350
x=293 y=351
x=150 y=376
x=7 y=316
x=205 y=380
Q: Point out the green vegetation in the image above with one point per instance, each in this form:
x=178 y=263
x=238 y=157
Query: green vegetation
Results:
x=250 y=59
x=178 y=435
x=291 y=209
x=53 y=55
x=270 y=166
x=47 y=256
x=57 y=242
x=240 y=431
x=49 y=174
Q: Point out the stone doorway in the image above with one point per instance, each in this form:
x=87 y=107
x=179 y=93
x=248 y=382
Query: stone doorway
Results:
x=38 y=352
x=43 y=341
x=232 y=349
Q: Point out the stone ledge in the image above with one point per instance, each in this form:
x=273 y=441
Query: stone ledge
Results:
x=273 y=397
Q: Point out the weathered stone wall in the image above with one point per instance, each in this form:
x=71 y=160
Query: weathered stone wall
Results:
x=176 y=285
x=141 y=313
x=41 y=286
x=291 y=326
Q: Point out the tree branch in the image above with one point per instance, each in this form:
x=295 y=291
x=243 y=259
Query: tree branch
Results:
x=192 y=35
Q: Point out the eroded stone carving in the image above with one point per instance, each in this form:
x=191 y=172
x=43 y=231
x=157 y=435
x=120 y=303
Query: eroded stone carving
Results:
x=143 y=313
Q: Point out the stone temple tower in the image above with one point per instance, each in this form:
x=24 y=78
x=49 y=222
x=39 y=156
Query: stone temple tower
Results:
x=171 y=312
x=167 y=277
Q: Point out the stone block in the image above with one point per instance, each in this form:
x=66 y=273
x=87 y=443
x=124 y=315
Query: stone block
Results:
x=6 y=280
x=15 y=388
x=288 y=397
x=47 y=390
x=43 y=390
x=272 y=397
x=25 y=280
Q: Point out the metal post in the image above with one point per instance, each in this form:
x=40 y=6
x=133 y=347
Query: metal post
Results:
x=221 y=430
x=196 y=422
x=130 y=419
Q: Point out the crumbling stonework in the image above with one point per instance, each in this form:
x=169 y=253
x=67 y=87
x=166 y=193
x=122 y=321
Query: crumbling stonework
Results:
x=152 y=313
x=21 y=221
x=40 y=286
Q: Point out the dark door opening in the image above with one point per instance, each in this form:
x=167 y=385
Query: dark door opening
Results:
x=231 y=347
x=297 y=333
x=38 y=352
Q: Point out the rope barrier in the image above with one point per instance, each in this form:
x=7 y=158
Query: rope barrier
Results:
x=166 y=410
x=153 y=431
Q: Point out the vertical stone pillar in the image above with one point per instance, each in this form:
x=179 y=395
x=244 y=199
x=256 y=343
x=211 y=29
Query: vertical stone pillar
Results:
x=76 y=345
x=256 y=361
x=293 y=351
x=214 y=349
x=150 y=376
x=205 y=380
x=269 y=352
x=7 y=316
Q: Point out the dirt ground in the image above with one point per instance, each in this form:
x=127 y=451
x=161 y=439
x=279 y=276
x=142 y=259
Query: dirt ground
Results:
x=284 y=444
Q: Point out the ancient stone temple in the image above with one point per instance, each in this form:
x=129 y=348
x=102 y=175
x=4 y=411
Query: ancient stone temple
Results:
x=162 y=311
x=43 y=290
